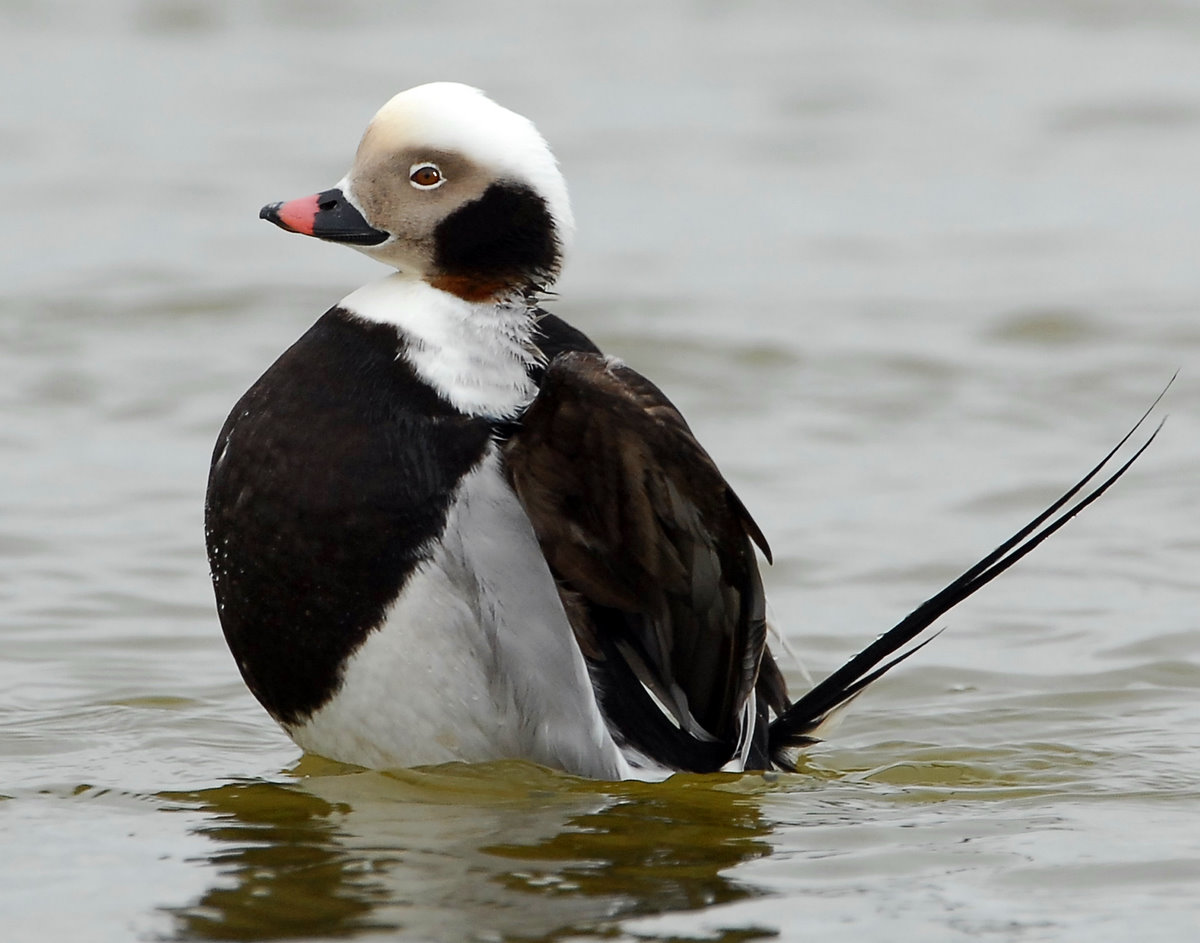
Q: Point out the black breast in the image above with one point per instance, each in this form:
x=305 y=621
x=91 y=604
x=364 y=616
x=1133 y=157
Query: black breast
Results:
x=330 y=479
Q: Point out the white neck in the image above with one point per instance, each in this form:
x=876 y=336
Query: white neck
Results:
x=476 y=355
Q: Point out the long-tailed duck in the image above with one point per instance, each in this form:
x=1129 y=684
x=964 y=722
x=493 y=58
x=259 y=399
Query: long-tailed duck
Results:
x=444 y=526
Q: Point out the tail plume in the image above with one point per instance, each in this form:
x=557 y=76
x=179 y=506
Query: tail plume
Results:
x=797 y=726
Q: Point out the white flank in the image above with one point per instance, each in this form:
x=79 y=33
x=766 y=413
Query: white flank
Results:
x=475 y=661
x=476 y=355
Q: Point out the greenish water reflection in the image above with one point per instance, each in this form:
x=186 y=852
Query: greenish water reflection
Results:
x=504 y=851
x=281 y=870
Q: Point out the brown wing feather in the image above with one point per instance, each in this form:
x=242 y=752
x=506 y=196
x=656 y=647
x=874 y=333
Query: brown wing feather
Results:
x=651 y=546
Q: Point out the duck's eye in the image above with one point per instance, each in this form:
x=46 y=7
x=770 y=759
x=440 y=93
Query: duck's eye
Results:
x=425 y=176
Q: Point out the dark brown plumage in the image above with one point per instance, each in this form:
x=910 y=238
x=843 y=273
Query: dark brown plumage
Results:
x=652 y=551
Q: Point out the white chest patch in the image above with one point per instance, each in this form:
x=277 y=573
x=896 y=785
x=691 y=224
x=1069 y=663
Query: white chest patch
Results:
x=475 y=355
x=476 y=660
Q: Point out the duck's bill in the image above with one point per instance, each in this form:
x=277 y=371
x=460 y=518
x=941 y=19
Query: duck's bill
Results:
x=327 y=215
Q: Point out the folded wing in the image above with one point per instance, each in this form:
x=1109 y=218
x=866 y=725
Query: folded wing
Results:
x=654 y=558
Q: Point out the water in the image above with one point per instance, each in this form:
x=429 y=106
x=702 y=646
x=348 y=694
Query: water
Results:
x=908 y=268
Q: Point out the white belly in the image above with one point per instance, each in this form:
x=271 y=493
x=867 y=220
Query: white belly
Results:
x=475 y=661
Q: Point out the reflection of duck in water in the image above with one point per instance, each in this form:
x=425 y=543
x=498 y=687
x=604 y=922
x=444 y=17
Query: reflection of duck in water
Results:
x=444 y=854
x=443 y=526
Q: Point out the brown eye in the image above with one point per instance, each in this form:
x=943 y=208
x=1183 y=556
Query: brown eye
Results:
x=425 y=176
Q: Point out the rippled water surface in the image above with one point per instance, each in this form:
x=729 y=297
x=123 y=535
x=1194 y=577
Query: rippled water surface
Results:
x=908 y=267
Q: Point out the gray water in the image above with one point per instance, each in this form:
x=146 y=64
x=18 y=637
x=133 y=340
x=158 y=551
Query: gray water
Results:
x=909 y=268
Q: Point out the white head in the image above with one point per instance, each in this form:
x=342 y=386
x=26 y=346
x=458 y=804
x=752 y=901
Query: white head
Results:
x=452 y=188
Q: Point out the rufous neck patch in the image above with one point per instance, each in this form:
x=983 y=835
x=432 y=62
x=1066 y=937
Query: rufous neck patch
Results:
x=474 y=288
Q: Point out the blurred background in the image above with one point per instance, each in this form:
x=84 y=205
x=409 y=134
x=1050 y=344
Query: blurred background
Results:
x=909 y=268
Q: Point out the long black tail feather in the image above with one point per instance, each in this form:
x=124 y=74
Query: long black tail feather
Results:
x=795 y=727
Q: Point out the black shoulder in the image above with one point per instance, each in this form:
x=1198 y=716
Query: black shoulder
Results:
x=329 y=478
x=555 y=336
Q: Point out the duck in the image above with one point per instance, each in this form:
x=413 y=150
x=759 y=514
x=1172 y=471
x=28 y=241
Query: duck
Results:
x=444 y=526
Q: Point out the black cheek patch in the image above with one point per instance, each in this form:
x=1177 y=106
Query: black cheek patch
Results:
x=507 y=232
